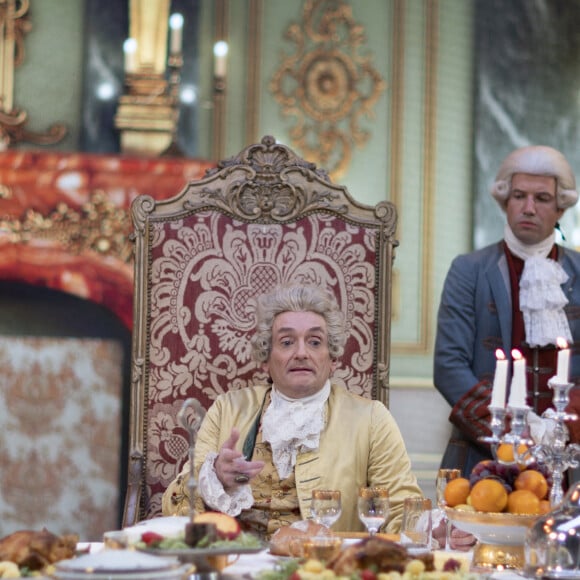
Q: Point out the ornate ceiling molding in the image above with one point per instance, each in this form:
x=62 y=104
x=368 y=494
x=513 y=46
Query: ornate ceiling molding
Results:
x=327 y=85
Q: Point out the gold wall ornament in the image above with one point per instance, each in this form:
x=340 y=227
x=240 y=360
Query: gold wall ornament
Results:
x=14 y=23
x=99 y=226
x=327 y=85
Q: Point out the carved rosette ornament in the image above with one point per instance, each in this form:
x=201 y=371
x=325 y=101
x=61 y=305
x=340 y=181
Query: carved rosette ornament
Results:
x=327 y=85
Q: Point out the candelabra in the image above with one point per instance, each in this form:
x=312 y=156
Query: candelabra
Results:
x=552 y=450
x=174 y=64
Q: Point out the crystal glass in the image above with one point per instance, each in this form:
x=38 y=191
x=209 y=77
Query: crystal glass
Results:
x=325 y=506
x=373 y=507
x=444 y=476
x=417 y=524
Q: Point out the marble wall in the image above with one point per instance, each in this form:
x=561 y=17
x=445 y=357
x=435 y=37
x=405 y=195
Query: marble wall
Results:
x=527 y=91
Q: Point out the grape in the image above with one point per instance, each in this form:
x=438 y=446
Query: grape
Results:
x=505 y=474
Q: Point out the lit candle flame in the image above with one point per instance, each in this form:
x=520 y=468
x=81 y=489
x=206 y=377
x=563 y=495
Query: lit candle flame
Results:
x=499 y=354
x=561 y=342
x=516 y=354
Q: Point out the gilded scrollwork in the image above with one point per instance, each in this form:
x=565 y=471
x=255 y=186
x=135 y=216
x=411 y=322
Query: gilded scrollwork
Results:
x=268 y=181
x=327 y=85
x=14 y=24
x=99 y=226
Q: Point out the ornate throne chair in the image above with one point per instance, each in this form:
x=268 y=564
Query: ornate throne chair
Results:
x=260 y=219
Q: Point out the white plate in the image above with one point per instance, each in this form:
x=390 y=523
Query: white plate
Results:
x=176 y=574
x=119 y=564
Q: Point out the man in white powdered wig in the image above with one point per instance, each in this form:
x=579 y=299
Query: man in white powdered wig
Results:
x=522 y=292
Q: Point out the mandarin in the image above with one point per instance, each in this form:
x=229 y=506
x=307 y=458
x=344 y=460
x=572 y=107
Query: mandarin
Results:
x=505 y=452
x=534 y=481
x=456 y=491
x=523 y=501
x=545 y=506
x=488 y=495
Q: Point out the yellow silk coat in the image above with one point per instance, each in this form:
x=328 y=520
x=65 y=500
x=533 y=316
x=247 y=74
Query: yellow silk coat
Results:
x=360 y=445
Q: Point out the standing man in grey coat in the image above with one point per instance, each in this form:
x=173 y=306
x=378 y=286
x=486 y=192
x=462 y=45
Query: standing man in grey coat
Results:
x=522 y=292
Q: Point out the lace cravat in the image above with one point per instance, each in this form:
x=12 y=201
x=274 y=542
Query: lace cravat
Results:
x=293 y=425
x=541 y=298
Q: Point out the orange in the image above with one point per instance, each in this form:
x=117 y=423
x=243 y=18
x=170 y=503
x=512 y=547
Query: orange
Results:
x=456 y=491
x=488 y=495
x=545 y=506
x=505 y=452
x=523 y=501
x=534 y=481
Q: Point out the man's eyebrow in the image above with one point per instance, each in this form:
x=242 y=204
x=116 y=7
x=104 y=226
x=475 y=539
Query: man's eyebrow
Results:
x=545 y=192
x=291 y=329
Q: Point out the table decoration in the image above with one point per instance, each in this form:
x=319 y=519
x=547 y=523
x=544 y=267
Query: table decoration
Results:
x=552 y=449
x=541 y=441
x=207 y=561
x=500 y=536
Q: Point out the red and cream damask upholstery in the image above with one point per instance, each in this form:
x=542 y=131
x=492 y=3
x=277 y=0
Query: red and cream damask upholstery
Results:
x=262 y=218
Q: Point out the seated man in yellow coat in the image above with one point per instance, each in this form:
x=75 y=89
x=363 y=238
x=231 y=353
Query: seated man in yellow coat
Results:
x=261 y=451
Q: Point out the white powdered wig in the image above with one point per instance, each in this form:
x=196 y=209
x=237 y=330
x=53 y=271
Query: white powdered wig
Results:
x=537 y=160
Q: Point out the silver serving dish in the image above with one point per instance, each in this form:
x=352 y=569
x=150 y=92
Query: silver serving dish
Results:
x=552 y=546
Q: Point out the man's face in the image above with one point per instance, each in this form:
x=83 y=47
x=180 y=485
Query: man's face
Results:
x=531 y=207
x=299 y=363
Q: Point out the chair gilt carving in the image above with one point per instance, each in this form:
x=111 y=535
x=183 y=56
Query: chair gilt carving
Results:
x=262 y=218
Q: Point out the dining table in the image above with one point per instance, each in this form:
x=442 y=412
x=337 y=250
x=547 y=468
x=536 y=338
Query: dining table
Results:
x=250 y=566
x=247 y=566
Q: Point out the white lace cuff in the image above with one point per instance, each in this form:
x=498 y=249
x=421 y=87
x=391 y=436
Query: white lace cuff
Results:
x=214 y=495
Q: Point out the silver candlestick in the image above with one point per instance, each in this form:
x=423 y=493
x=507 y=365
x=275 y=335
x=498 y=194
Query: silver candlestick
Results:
x=497 y=426
x=553 y=451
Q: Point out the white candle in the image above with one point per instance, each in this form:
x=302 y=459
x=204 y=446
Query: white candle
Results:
x=499 y=380
x=176 y=37
x=563 y=374
x=518 y=387
x=130 y=52
x=220 y=51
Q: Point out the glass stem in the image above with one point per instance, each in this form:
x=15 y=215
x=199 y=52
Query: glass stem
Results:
x=447 y=534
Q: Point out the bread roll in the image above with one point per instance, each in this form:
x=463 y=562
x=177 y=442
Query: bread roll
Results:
x=287 y=540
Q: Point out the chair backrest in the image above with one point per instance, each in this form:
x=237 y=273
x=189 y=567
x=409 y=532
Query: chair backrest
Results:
x=262 y=218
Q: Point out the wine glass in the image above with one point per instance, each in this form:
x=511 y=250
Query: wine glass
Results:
x=444 y=476
x=373 y=507
x=325 y=506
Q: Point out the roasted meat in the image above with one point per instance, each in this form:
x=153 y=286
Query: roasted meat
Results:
x=35 y=550
x=376 y=553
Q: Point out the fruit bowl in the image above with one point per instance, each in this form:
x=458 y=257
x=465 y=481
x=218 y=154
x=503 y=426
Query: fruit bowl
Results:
x=500 y=536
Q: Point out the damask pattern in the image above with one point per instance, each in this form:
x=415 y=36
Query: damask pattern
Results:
x=206 y=272
x=60 y=409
